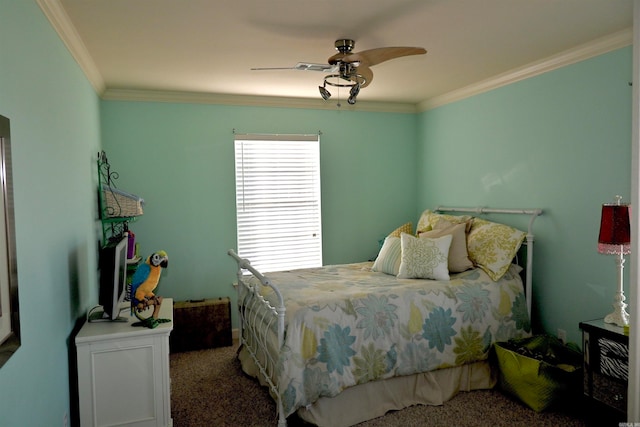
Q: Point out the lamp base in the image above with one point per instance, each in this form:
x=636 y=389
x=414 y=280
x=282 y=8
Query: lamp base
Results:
x=619 y=316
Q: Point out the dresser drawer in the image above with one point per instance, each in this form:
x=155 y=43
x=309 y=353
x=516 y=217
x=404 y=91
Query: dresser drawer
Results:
x=614 y=359
x=606 y=363
x=609 y=391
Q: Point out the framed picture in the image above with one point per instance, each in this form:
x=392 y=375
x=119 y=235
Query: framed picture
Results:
x=9 y=312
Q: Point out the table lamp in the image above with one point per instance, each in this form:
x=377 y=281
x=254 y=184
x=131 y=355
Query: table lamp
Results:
x=615 y=239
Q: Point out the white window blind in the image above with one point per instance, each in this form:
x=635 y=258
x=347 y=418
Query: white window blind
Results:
x=278 y=200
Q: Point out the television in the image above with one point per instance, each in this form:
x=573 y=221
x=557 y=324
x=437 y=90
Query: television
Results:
x=113 y=281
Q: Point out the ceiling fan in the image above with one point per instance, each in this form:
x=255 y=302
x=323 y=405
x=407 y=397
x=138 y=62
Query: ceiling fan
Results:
x=351 y=69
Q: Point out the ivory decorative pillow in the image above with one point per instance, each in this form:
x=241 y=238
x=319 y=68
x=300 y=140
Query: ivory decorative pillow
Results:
x=458 y=256
x=424 y=258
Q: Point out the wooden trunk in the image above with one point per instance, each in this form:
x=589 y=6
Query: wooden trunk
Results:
x=200 y=324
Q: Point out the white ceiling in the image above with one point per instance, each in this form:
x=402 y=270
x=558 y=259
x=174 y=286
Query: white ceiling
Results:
x=210 y=46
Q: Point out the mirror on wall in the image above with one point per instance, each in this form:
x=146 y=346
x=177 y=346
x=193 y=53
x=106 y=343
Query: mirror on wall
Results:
x=9 y=313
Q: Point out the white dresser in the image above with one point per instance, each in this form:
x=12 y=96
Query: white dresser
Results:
x=123 y=372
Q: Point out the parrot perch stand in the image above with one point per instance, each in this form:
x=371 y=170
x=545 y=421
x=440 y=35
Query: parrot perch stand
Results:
x=152 y=321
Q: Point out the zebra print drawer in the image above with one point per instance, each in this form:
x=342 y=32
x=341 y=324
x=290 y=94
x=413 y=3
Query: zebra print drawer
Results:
x=614 y=359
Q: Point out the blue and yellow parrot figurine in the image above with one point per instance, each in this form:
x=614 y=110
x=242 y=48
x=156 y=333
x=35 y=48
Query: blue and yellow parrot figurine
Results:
x=143 y=283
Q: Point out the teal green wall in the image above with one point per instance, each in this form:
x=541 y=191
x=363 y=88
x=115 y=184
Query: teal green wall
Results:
x=179 y=158
x=560 y=141
x=55 y=129
x=535 y=143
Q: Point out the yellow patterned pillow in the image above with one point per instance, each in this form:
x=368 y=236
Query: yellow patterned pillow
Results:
x=493 y=246
x=404 y=228
x=429 y=219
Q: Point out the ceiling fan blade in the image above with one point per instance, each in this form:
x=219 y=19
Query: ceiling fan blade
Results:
x=366 y=73
x=272 y=68
x=376 y=56
x=303 y=66
x=338 y=57
x=310 y=66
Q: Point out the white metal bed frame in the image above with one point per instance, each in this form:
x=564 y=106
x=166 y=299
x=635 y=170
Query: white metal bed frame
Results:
x=252 y=305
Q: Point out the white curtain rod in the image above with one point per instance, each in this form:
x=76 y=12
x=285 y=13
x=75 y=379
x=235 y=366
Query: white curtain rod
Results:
x=274 y=135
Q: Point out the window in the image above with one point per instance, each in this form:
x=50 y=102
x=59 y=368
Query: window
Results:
x=278 y=200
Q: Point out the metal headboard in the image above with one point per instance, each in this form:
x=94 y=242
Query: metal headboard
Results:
x=533 y=213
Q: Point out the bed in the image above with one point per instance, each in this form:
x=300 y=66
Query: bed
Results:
x=341 y=344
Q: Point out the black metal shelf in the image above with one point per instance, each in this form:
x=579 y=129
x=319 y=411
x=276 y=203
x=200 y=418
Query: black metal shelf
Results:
x=113 y=226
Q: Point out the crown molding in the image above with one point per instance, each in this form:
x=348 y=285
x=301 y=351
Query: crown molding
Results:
x=247 y=100
x=580 y=53
x=57 y=16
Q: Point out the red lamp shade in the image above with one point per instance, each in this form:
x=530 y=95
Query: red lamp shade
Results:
x=615 y=230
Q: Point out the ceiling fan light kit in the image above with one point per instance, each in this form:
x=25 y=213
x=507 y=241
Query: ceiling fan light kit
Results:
x=353 y=68
x=324 y=93
x=355 y=90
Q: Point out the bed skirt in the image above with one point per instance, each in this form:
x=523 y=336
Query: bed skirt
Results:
x=374 y=399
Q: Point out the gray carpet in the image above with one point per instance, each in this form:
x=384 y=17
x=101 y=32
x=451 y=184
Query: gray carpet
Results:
x=208 y=388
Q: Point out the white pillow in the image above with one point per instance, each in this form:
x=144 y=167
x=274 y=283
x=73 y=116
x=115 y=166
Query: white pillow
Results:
x=424 y=258
x=388 y=260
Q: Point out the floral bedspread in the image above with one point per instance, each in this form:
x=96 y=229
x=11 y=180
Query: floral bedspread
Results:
x=347 y=325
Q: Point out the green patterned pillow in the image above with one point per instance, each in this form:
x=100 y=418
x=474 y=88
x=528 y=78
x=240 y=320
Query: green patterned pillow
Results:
x=429 y=219
x=493 y=246
x=388 y=260
x=424 y=258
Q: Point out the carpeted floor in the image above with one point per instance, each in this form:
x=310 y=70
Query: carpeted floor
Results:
x=208 y=388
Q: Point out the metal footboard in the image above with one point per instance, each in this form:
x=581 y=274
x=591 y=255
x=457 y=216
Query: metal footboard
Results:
x=258 y=319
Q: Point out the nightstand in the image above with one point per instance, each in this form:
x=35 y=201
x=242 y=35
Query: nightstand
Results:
x=606 y=364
